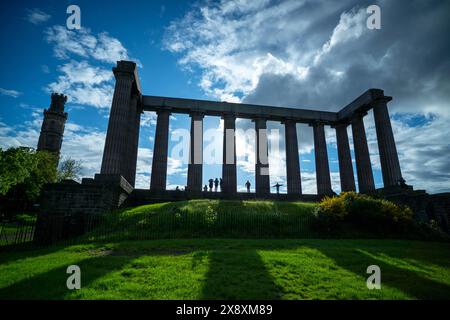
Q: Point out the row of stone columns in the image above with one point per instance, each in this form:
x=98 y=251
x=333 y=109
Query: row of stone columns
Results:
x=388 y=154
x=229 y=170
x=390 y=165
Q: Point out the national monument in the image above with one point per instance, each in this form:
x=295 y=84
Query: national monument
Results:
x=113 y=186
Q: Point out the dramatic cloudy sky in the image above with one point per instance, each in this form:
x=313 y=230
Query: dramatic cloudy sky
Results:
x=304 y=54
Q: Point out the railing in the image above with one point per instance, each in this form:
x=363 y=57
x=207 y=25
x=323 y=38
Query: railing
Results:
x=16 y=232
x=179 y=224
x=172 y=222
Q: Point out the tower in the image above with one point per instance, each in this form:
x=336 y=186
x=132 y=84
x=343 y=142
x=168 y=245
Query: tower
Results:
x=52 y=130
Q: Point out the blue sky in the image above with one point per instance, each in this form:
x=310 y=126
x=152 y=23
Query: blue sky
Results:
x=316 y=55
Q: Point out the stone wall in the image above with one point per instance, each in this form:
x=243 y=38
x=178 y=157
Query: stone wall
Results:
x=66 y=207
x=438 y=209
x=426 y=207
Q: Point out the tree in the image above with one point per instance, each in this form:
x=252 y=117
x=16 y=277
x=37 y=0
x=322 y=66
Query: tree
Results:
x=23 y=173
x=69 y=169
x=15 y=166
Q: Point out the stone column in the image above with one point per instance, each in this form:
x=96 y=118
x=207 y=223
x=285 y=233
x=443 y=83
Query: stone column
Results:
x=321 y=155
x=262 y=178
x=117 y=136
x=133 y=144
x=195 y=166
x=363 y=166
x=390 y=166
x=229 y=154
x=160 y=150
x=345 y=159
x=294 y=185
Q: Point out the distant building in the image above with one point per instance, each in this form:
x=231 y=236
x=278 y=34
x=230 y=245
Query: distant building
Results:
x=52 y=130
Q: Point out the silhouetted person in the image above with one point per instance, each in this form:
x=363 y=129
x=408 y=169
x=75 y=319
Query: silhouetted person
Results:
x=221 y=184
x=216 y=184
x=278 y=187
x=247 y=185
x=205 y=188
x=177 y=189
x=211 y=183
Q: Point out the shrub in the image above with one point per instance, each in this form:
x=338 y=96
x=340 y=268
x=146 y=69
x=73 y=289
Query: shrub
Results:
x=367 y=214
x=330 y=212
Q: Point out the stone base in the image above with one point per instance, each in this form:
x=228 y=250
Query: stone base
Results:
x=66 y=206
x=144 y=196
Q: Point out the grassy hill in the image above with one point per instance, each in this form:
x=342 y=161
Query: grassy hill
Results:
x=208 y=219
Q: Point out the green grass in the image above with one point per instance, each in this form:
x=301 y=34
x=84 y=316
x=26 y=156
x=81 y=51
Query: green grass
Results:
x=208 y=219
x=230 y=269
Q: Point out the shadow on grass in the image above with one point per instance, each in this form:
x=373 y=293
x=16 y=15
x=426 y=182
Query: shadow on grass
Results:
x=412 y=283
x=52 y=284
x=238 y=275
x=23 y=251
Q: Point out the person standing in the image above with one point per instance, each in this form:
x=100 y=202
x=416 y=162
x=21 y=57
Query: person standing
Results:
x=205 y=188
x=211 y=183
x=278 y=187
x=221 y=184
x=216 y=184
x=247 y=185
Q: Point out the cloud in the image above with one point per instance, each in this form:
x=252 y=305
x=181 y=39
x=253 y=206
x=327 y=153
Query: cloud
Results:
x=210 y=39
x=148 y=119
x=84 y=84
x=86 y=76
x=83 y=43
x=36 y=16
x=45 y=69
x=320 y=55
x=351 y=26
x=10 y=93
x=423 y=152
x=175 y=166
